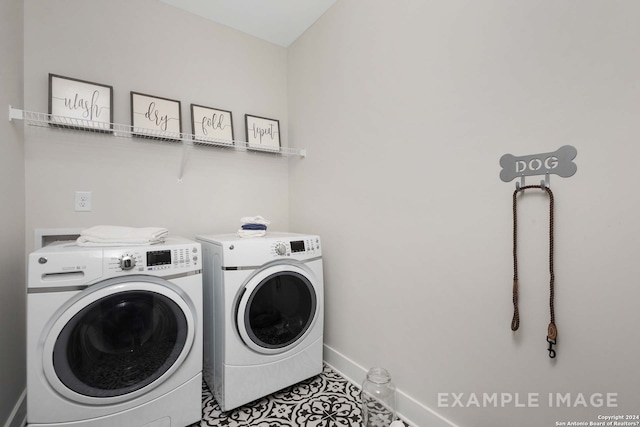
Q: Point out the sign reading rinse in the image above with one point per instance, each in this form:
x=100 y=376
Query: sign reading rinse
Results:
x=560 y=163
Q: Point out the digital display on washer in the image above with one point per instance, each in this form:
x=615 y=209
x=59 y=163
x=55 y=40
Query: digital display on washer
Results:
x=158 y=258
x=297 y=246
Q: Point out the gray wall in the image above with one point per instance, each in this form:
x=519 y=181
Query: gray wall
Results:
x=405 y=109
x=150 y=47
x=12 y=265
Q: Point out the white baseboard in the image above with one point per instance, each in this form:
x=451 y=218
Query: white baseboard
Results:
x=409 y=409
x=18 y=416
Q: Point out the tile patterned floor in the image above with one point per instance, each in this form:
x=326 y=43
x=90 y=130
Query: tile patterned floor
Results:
x=326 y=400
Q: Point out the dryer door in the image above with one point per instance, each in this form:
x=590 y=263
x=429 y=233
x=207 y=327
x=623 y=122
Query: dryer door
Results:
x=119 y=339
x=278 y=308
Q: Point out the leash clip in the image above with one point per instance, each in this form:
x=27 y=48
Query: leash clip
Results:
x=552 y=352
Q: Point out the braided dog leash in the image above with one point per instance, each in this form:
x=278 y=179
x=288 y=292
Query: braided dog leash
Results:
x=552 y=331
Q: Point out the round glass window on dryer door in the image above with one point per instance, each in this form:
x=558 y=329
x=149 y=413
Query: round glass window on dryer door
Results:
x=119 y=340
x=278 y=309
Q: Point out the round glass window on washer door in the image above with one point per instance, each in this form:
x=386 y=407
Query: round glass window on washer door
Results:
x=277 y=311
x=123 y=340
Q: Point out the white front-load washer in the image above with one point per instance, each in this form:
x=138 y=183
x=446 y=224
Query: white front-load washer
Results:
x=114 y=335
x=263 y=307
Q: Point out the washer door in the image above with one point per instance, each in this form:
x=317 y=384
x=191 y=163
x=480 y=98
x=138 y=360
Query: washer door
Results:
x=119 y=339
x=277 y=309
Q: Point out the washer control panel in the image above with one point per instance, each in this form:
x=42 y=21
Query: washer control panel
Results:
x=307 y=246
x=153 y=259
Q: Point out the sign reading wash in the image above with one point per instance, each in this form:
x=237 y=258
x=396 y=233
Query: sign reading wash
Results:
x=80 y=104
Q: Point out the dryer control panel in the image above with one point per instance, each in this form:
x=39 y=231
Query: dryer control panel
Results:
x=308 y=246
x=236 y=252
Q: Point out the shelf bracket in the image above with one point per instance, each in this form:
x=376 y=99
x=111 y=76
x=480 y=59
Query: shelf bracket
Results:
x=15 y=113
x=183 y=161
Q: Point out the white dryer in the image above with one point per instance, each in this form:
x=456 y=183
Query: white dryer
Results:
x=263 y=305
x=114 y=335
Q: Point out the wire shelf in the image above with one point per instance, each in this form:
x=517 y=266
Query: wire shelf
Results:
x=127 y=131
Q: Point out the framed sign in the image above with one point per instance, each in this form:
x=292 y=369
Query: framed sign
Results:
x=211 y=125
x=262 y=133
x=155 y=117
x=80 y=104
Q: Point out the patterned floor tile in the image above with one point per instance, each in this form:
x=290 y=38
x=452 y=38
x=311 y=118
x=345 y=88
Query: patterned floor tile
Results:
x=326 y=400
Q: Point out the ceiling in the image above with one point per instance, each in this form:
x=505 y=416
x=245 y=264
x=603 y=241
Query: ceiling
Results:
x=277 y=21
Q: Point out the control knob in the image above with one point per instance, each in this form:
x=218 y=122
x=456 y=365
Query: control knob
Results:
x=281 y=249
x=127 y=262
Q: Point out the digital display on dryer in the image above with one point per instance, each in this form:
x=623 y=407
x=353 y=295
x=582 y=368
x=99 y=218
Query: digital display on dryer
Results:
x=158 y=258
x=297 y=246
